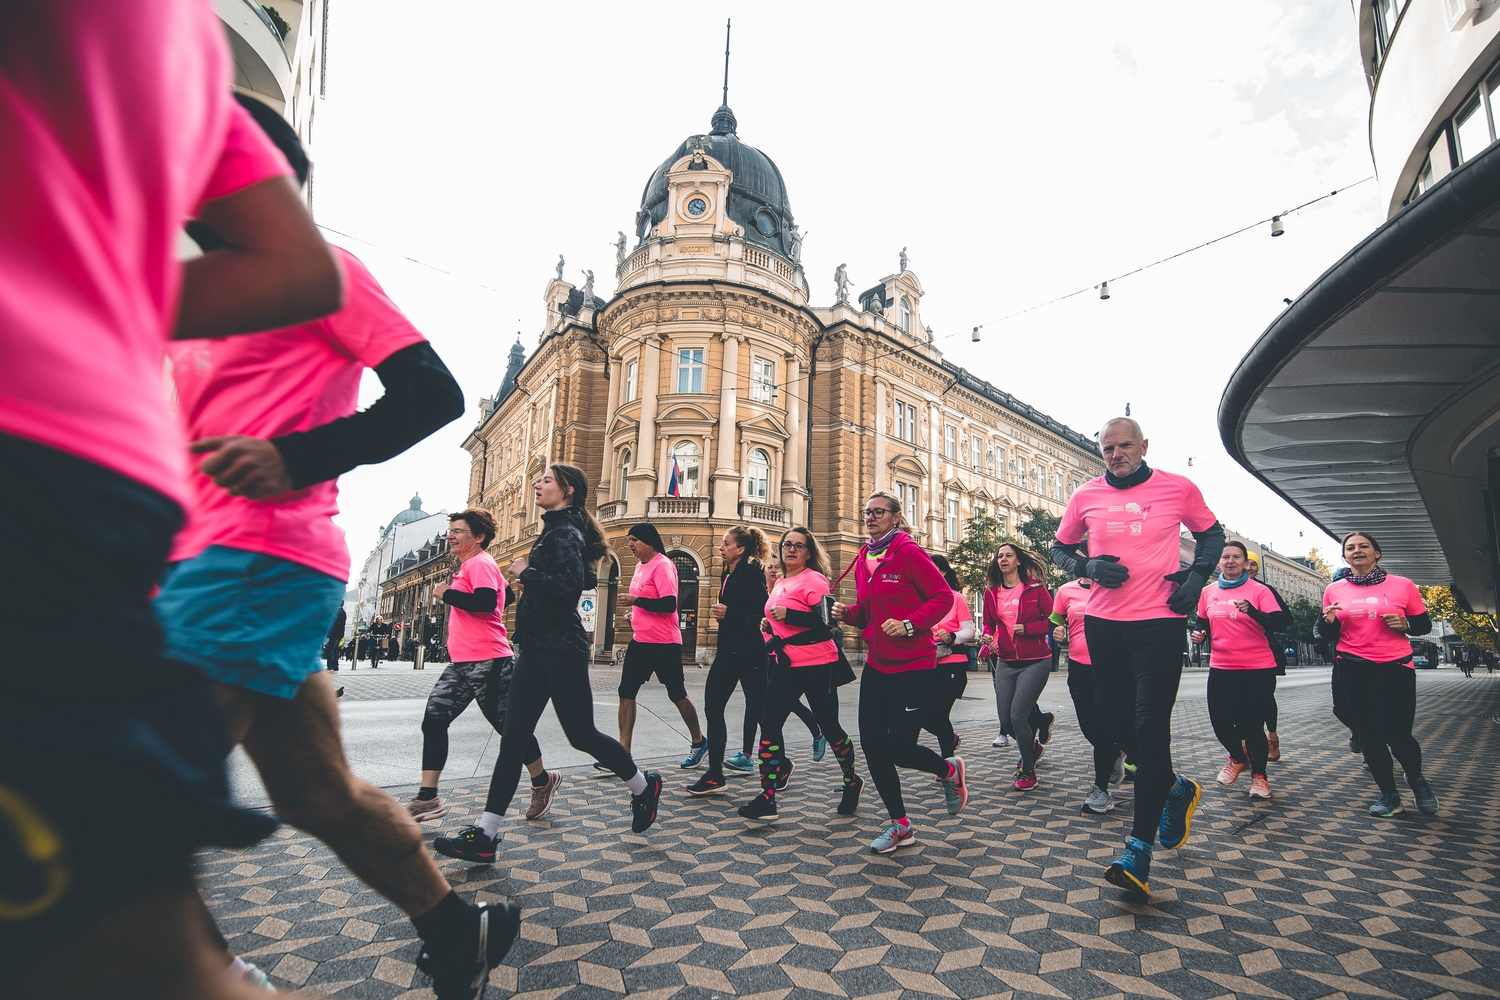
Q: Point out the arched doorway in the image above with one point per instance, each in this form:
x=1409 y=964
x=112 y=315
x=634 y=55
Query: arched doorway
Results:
x=687 y=602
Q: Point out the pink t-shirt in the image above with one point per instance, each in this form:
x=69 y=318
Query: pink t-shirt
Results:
x=473 y=636
x=1071 y=602
x=269 y=384
x=111 y=124
x=656 y=577
x=961 y=613
x=1362 y=631
x=801 y=593
x=1140 y=525
x=1008 y=603
x=1237 y=640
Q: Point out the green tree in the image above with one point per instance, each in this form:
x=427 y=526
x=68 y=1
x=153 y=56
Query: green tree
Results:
x=1477 y=630
x=1037 y=533
x=970 y=558
x=1304 y=615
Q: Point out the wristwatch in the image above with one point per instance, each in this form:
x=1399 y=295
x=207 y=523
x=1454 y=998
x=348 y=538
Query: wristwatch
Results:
x=910 y=628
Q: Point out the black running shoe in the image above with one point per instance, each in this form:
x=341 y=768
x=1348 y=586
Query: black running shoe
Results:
x=643 y=806
x=1044 y=735
x=1354 y=746
x=760 y=809
x=460 y=969
x=850 y=802
x=708 y=785
x=469 y=844
x=786 y=776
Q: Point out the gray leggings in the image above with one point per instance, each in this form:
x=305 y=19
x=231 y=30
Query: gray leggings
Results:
x=1018 y=684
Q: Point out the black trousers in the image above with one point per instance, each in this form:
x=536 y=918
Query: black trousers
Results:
x=1137 y=667
x=1236 y=708
x=484 y=681
x=1342 y=710
x=746 y=668
x=561 y=677
x=954 y=680
x=1092 y=720
x=787 y=685
x=1383 y=700
x=888 y=731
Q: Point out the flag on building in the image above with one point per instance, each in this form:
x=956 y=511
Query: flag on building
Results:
x=674 y=483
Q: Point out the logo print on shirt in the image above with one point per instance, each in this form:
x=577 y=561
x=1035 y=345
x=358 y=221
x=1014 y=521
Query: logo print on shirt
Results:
x=1133 y=508
x=1135 y=527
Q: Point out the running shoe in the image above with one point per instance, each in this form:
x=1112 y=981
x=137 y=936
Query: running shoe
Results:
x=1354 y=745
x=1427 y=800
x=1132 y=869
x=339 y=692
x=251 y=975
x=1177 y=815
x=850 y=801
x=1099 y=801
x=708 y=785
x=1044 y=734
x=1129 y=778
x=893 y=836
x=696 y=753
x=541 y=796
x=1273 y=747
x=1231 y=772
x=643 y=806
x=424 y=809
x=469 y=844
x=1260 y=788
x=1118 y=774
x=1025 y=781
x=1036 y=752
x=463 y=973
x=956 y=739
x=820 y=747
x=1389 y=804
x=786 y=776
x=955 y=789
x=760 y=809
x=741 y=762
x=1003 y=740
x=599 y=766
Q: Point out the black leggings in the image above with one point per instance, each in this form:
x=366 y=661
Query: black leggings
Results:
x=1092 y=720
x=563 y=678
x=1137 y=667
x=786 y=686
x=1272 y=710
x=759 y=677
x=1342 y=710
x=954 y=678
x=1236 y=708
x=484 y=681
x=1383 y=699
x=746 y=668
x=888 y=732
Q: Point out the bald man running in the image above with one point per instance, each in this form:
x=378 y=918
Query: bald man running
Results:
x=1135 y=623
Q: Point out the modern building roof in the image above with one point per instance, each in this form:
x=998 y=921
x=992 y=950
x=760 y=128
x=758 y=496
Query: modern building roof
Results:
x=1373 y=402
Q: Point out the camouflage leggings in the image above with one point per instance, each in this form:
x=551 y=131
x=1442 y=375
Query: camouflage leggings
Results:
x=485 y=681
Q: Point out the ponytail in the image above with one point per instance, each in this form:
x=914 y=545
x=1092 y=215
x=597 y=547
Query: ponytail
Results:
x=576 y=483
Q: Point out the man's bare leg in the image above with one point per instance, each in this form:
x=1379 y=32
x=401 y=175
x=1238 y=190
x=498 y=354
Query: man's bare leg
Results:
x=690 y=716
x=627 y=722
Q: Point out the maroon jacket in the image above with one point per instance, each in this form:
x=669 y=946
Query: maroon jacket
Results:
x=1033 y=612
x=906 y=587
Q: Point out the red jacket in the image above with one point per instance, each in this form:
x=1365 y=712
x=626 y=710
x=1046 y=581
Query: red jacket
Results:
x=906 y=587
x=1033 y=612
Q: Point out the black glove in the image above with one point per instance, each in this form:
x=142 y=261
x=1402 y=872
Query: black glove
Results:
x=1190 y=584
x=1107 y=571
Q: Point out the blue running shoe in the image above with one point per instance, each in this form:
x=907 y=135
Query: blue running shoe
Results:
x=1132 y=869
x=1388 y=805
x=1427 y=800
x=696 y=753
x=893 y=836
x=955 y=789
x=1177 y=814
x=820 y=747
x=741 y=762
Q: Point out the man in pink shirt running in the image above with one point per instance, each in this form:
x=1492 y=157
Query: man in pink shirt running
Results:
x=1135 y=622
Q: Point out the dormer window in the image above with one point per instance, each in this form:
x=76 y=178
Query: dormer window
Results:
x=905 y=315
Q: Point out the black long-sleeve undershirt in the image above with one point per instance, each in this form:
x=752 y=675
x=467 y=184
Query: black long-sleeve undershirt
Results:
x=658 y=604
x=804 y=619
x=421 y=395
x=482 y=601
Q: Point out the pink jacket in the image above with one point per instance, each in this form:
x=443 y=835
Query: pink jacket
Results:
x=906 y=586
x=1035 y=607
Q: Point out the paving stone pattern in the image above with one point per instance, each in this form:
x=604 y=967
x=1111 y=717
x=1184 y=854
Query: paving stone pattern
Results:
x=1305 y=896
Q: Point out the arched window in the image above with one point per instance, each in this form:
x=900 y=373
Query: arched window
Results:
x=624 y=471
x=905 y=315
x=686 y=455
x=758 y=475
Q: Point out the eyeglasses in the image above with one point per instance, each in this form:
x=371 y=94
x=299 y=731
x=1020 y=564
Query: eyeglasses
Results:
x=878 y=511
x=459 y=531
x=793 y=546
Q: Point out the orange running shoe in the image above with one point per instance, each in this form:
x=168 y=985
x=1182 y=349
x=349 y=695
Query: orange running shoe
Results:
x=1260 y=788
x=1231 y=772
x=1273 y=747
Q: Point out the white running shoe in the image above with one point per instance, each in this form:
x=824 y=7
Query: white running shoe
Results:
x=1002 y=740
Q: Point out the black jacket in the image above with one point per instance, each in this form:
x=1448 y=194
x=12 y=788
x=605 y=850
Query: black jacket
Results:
x=743 y=594
x=555 y=576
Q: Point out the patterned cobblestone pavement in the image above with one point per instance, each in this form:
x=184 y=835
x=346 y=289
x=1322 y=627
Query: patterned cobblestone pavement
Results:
x=1305 y=896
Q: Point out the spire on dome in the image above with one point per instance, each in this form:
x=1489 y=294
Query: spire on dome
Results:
x=724 y=122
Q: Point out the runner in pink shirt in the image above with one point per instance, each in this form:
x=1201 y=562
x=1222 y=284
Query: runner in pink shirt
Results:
x=1236 y=614
x=955 y=635
x=1068 y=609
x=110 y=127
x=1131 y=517
x=1368 y=616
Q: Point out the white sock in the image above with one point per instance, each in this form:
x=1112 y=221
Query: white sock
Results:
x=490 y=824
x=637 y=784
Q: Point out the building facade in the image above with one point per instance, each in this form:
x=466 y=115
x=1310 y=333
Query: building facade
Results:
x=408 y=532
x=710 y=390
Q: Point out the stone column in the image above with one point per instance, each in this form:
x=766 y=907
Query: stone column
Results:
x=794 y=464
x=607 y=487
x=937 y=508
x=880 y=469
x=726 y=478
x=643 y=476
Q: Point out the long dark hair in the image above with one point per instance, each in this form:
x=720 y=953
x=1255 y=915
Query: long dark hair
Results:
x=1029 y=568
x=576 y=484
x=947 y=570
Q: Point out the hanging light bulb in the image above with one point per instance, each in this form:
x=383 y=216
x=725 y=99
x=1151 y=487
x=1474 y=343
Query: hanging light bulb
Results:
x=1276 y=227
x=1104 y=290
x=975 y=337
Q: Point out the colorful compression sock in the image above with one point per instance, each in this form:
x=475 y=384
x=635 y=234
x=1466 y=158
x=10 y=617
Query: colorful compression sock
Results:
x=771 y=766
x=843 y=750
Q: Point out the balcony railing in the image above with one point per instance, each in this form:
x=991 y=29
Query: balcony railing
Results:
x=764 y=513
x=677 y=507
x=612 y=510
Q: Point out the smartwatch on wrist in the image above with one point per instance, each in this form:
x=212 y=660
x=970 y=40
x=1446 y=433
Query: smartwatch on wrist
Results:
x=910 y=628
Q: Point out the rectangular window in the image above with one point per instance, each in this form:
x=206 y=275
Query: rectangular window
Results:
x=1471 y=127
x=952 y=521
x=901 y=420
x=762 y=378
x=950 y=443
x=908 y=496
x=632 y=370
x=975 y=447
x=906 y=421
x=690 y=370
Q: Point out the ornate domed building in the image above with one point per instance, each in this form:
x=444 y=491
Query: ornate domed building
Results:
x=708 y=391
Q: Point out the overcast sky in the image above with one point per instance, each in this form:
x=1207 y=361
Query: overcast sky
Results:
x=1018 y=151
